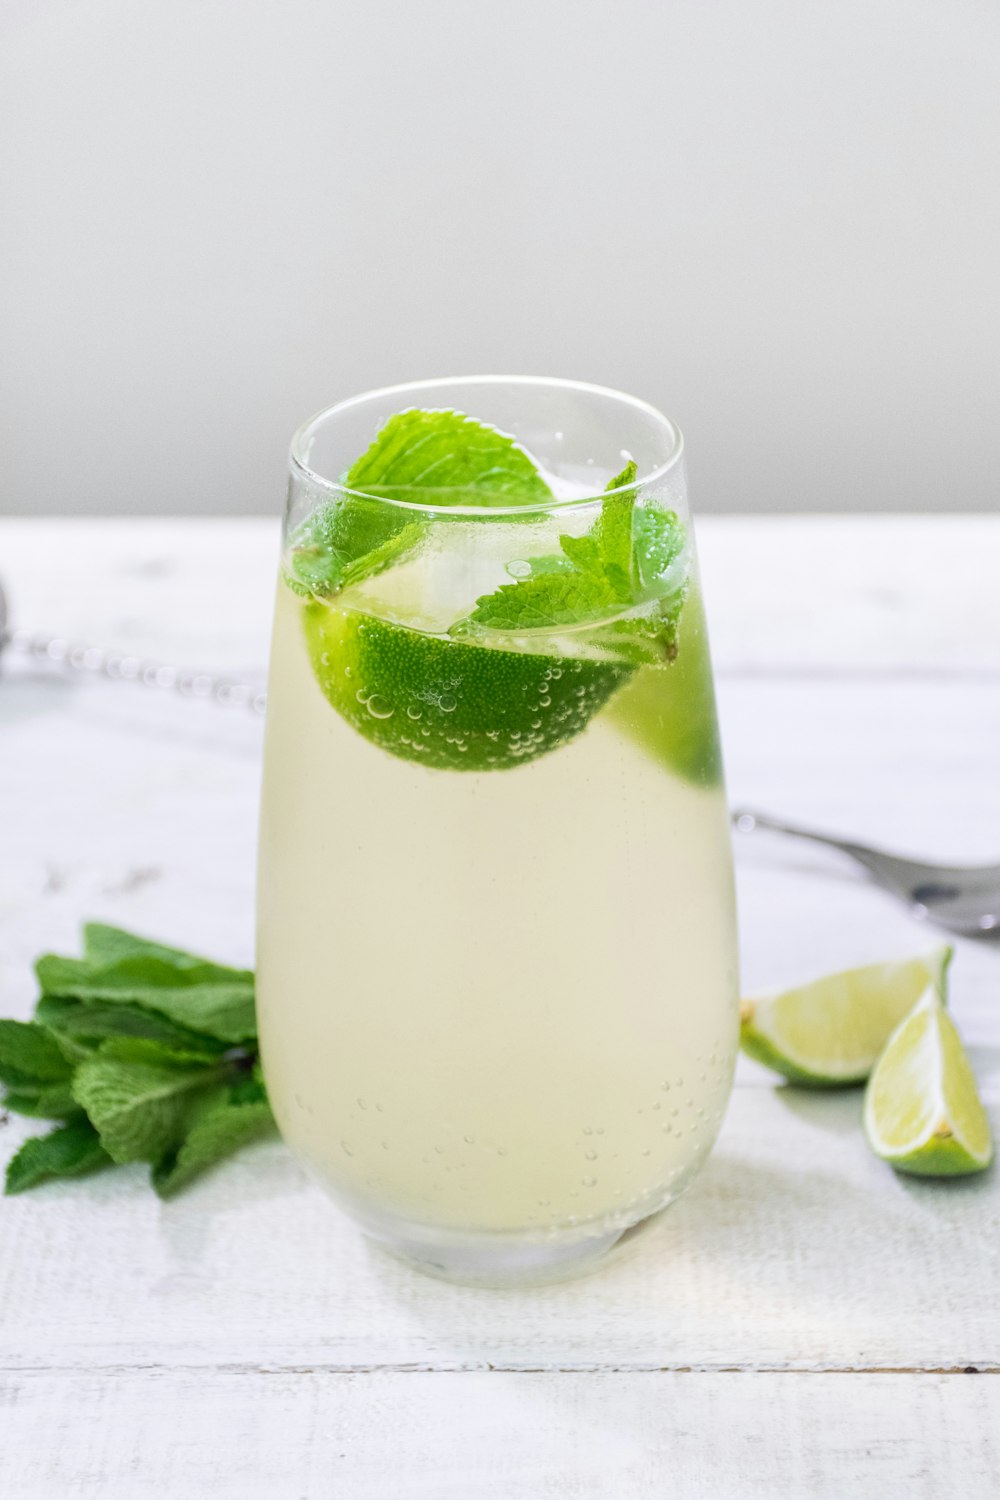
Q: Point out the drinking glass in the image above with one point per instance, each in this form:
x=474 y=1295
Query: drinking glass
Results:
x=497 y=975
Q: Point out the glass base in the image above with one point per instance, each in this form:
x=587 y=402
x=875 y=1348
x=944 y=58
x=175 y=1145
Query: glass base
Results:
x=506 y=1260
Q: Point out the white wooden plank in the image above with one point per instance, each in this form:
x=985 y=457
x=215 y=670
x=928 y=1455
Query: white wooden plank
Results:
x=909 y=765
x=872 y=593
x=143 y=1334
x=198 y=592
x=795 y=1248
x=783 y=592
x=239 y=1435
x=110 y=798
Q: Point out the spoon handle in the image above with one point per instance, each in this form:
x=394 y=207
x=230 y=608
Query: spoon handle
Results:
x=118 y=666
x=747 y=821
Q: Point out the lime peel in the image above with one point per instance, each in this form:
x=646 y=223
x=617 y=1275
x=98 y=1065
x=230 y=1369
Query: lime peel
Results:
x=446 y=705
x=830 y=1033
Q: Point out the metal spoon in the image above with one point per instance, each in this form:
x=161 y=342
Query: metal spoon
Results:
x=961 y=898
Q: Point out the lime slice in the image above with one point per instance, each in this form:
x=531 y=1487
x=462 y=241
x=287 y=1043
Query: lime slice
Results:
x=922 y=1111
x=831 y=1032
x=448 y=705
x=670 y=711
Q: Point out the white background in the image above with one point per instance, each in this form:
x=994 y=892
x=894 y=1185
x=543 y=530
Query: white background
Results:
x=777 y=219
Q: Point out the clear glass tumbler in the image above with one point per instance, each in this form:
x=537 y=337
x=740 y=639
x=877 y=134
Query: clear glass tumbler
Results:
x=497 y=975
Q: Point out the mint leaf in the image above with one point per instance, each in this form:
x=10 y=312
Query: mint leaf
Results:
x=617 y=566
x=104 y=945
x=183 y=995
x=70 y=1151
x=605 y=553
x=35 y=1069
x=541 y=602
x=30 y=1053
x=453 y=458
x=44 y=1101
x=437 y=458
x=90 y=1023
x=345 y=541
x=386 y=555
x=201 y=996
x=134 y=1049
x=538 y=567
x=641 y=640
x=657 y=543
x=138 y=1096
x=220 y=1123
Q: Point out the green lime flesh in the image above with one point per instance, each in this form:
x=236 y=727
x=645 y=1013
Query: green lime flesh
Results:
x=446 y=705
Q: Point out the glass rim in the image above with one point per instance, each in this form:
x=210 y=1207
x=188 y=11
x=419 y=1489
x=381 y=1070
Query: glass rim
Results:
x=304 y=434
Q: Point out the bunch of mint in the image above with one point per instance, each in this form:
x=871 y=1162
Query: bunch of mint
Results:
x=144 y=1053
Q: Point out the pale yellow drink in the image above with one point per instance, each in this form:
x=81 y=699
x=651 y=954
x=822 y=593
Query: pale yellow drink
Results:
x=499 y=1003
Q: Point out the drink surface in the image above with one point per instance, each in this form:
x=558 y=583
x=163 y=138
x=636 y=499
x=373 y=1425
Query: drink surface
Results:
x=496 y=969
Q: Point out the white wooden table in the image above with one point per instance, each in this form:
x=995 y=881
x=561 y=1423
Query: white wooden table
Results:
x=799 y=1325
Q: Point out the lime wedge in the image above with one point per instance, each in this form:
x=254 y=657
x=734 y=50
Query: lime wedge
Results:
x=922 y=1111
x=671 y=712
x=447 y=705
x=832 y=1031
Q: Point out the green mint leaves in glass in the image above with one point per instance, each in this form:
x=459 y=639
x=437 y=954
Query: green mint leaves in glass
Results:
x=496 y=966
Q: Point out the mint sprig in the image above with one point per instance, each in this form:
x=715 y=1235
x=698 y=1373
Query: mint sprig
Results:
x=148 y=1053
x=621 y=566
x=70 y=1151
x=437 y=458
